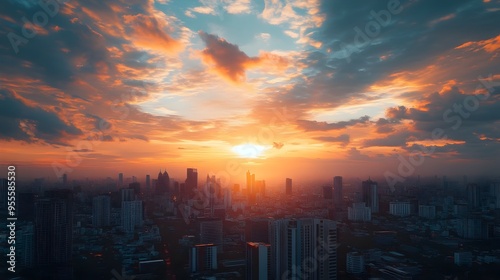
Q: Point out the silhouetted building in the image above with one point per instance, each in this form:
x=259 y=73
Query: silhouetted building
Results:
x=120 y=180
x=25 y=246
x=131 y=215
x=462 y=258
x=260 y=187
x=474 y=196
x=127 y=194
x=162 y=183
x=202 y=258
x=495 y=193
x=101 y=211
x=473 y=228
x=297 y=245
x=251 y=189
x=427 y=211
x=191 y=181
x=3 y=194
x=327 y=192
x=399 y=208
x=288 y=186
x=258 y=261
x=148 y=183
x=53 y=237
x=369 y=194
x=338 y=198
x=355 y=263
x=236 y=188
x=136 y=186
x=211 y=232
x=257 y=230
x=26 y=206
x=359 y=212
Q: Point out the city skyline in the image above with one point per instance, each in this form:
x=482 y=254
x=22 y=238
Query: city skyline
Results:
x=296 y=85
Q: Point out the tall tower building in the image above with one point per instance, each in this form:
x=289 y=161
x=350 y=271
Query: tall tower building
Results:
x=288 y=186
x=162 y=183
x=25 y=237
x=148 y=183
x=495 y=193
x=101 y=211
x=3 y=194
x=65 y=180
x=120 y=180
x=127 y=194
x=131 y=215
x=211 y=233
x=327 y=192
x=202 y=258
x=473 y=195
x=53 y=231
x=369 y=192
x=258 y=260
x=251 y=187
x=191 y=183
x=297 y=246
x=338 y=198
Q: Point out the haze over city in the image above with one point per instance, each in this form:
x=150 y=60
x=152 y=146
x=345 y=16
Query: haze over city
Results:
x=277 y=87
x=249 y=139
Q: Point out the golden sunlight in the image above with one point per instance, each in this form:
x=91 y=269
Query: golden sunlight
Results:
x=249 y=150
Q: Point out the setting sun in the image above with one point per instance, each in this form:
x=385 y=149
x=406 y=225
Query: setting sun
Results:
x=249 y=150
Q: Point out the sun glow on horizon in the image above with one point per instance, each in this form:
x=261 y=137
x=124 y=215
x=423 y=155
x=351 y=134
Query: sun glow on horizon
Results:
x=249 y=150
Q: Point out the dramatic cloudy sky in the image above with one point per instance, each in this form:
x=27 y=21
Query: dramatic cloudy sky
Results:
x=297 y=88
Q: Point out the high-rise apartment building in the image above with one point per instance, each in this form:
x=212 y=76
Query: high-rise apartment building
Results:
x=338 y=198
x=303 y=247
x=258 y=261
x=101 y=211
x=288 y=186
x=369 y=193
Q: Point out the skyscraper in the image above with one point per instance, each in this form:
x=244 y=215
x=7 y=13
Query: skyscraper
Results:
x=101 y=211
x=148 y=183
x=305 y=248
x=473 y=195
x=120 y=180
x=495 y=193
x=3 y=194
x=127 y=194
x=327 y=192
x=251 y=188
x=369 y=194
x=53 y=232
x=211 y=232
x=162 y=183
x=191 y=181
x=288 y=188
x=203 y=257
x=258 y=260
x=131 y=215
x=338 y=198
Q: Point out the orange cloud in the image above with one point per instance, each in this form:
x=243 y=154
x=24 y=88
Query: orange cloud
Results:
x=491 y=45
x=230 y=62
x=150 y=33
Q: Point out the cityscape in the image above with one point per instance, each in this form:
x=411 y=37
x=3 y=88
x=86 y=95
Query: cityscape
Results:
x=158 y=227
x=249 y=139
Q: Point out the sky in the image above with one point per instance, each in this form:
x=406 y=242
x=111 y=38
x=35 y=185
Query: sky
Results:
x=283 y=88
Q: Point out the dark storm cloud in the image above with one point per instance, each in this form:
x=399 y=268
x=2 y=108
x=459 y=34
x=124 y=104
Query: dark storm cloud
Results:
x=345 y=67
x=324 y=126
x=20 y=121
x=384 y=125
x=343 y=139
